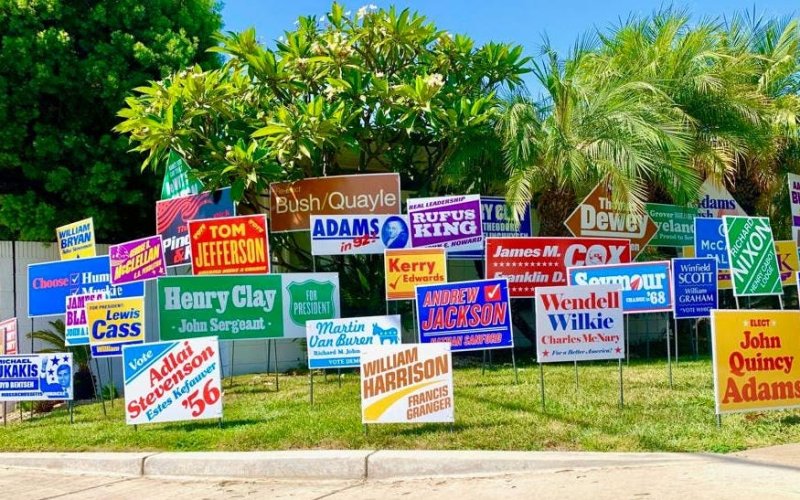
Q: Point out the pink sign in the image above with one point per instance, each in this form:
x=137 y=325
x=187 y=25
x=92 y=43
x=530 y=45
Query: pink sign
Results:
x=137 y=260
x=8 y=329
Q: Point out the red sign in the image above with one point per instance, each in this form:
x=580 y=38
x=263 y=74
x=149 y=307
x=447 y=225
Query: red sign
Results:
x=230 y=245
x=529 y=263
x=8 y=341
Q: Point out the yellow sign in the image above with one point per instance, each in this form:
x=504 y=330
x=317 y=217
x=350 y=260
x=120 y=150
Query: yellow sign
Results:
x=754 y=359
x=76 y=240
x=114 y=323
x=723 y=275
x=788 y=263
x=410 y=267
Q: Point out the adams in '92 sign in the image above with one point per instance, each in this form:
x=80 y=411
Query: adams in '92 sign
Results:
x=645 y=285
x=470 y=315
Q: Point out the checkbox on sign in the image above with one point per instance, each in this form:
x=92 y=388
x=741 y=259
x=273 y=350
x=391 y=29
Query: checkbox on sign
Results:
x=491 y=293
x=74 y=278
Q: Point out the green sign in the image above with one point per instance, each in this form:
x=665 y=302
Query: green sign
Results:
x=751 y=252
x=675 y=225
x=177 y=181
x=245 y=307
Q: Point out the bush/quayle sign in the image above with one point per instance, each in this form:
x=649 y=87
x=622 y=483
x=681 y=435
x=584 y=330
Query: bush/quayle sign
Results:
x=645 y=285
x=337 y=343
x=169 y=381
x=49 y=284
x=35 y=377
x=695 y=284
x=358 y=234
x=471 y=315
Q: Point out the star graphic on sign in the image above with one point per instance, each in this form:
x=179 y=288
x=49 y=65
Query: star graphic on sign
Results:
x=66 y=358
x=54 y=360
x=50 y=371
x=546 y=353
x=619 y=349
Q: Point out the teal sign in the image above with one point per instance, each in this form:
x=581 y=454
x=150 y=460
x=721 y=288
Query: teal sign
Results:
x=177 y=181
x=675 y=225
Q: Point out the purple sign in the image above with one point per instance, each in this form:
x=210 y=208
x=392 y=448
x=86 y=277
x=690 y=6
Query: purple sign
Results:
x=452 y=222
x=137 y=260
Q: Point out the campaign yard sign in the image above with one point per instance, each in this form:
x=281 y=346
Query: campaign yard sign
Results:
x=675 y=224
x=498 y=221
x=407 y=384
x=113 y=324
x=751 y=251
x=452 y=222
x=337 y=343
x=645 y=285
x=137 y=260
x=35 y=377
x=177 y=180
x=239 y=307
x=76 y=328
x=695 y=287
x=230 y=245
x=171 y=381
x=788 y=262
x=715 y=201
x=754 y=354
x=404 y=269
x=579 y=323
x=709 y=241
x=469 y=315
x=8 y=336
x=358 y=234
x=173 y=216
x=50 y=283
x=794 y=201
x=76 y=240
x=723 y=275
x=530 y=263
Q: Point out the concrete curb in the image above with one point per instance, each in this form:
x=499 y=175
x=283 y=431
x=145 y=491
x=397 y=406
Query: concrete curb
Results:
x=118 y=464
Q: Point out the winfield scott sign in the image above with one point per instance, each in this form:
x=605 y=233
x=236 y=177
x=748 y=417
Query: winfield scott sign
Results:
x=293 y=203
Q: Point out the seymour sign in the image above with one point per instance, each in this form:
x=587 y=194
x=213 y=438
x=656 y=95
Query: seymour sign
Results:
x=529 y=263
x=230 y=245
x=293 y=203
x=598 y=216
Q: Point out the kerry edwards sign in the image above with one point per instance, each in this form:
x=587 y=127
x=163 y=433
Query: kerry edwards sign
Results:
x=753 y=355
x=230 y=245
x=137 y=260
x=529 y=263
x=645 y=285
x=695 y=286
x=245 y=306
x=170 y=381
x=406 y=384
x=293 y=203
x=579 y=323
x=113 y=324
x=414 y=266
x=76 y=329
x=76 y=240
x=470 y=315
x=751 y=252
x=337 y=343
x=35 y=377
x=358 y=234
x=452 y=222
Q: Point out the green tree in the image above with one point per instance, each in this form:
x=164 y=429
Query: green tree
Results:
x=65 y=68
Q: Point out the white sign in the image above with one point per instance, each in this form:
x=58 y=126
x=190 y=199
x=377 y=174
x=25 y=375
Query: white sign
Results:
x=452 y=222
x=358 y=234
x=579 y=323
x=716 y=201
x=406 y=383
x=337 y=343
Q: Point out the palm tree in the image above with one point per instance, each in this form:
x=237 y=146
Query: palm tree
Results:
x=54 y=339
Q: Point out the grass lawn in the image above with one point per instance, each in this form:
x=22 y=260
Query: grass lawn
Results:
x=491 y=413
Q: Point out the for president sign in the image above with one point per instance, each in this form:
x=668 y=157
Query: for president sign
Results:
x=675 y=224
x=452 y=222
x=113 y=324
x=76 y=329
x=645 y=285
x=751 y=251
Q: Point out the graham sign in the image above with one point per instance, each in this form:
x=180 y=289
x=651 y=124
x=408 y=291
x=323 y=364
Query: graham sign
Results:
x=498 y=221
x=597 y=216
x=50 y=283
x=530 y=263
x=415 y=266
x=230 y=245
x=469 y=315
x=337 y=343
x=293 y=203
x=173 y=216
x=452 y=222
x=695 y=285
x=8 y=336
x=406 y=384
x=113 y=324
x=76 y=328
x=675 y=224
x=358 y=234
x=716 y=201
x=137 y=260
x=76 y=240
x=751 y=250
x=36 y=377
x=579 y=323
x=754 y=354
x=171 y=381
x=245 y=306
x=645 y=285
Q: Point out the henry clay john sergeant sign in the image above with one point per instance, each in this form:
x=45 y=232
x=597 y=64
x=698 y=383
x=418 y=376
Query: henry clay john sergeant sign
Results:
x=597 y=216
x=293 y=203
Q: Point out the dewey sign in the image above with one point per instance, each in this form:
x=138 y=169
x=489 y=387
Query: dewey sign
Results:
x=598 y=216
x=751 y=249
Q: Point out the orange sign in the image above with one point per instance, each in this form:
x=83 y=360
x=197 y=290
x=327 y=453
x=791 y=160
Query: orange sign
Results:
x=787 y=261
x=754 y=359
x=597 y=216
x=293 y=203
x=230 y=245
x=410 y=267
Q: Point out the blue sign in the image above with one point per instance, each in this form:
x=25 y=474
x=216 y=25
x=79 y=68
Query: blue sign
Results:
x=497 y=222
x=709 y=240
x=50 y=283
x=34 y=377
x=695 y=284
x=337 y=343
x=645 y=285
x=471 y=315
